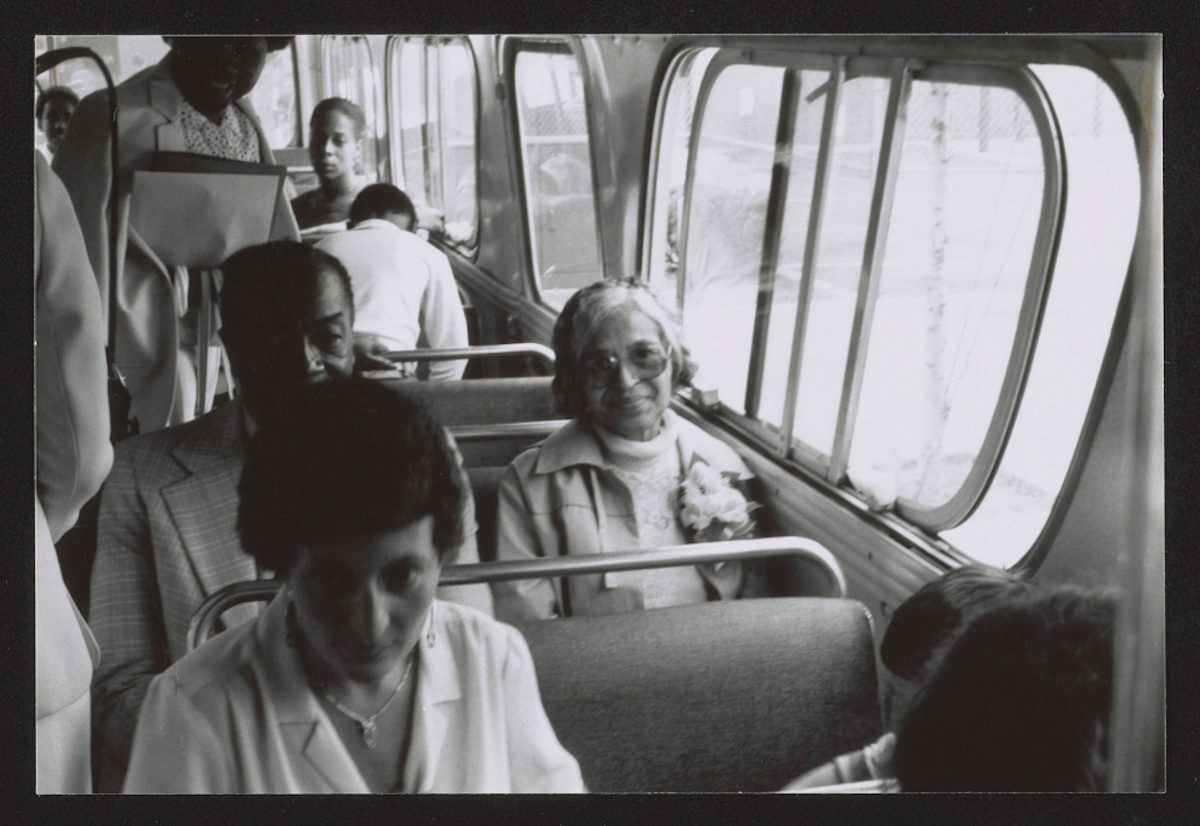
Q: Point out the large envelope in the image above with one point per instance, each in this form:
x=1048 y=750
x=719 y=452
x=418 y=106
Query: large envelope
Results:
x=197 y=220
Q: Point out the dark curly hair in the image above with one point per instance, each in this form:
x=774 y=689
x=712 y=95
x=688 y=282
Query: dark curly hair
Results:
x=350 y=458
x=349 y=108
x=929 y=618
x=586 y=312
x=1019 y=702
x=377 y=200
x=64 y=93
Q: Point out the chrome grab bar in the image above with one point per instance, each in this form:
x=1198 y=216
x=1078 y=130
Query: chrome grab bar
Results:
x=504 y=430
x=527 y=348
x=669 y=556
x=665 y=557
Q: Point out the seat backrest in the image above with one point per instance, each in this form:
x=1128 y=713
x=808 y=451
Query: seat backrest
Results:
x=716 y=697
x=483 y=401
x=484 y=483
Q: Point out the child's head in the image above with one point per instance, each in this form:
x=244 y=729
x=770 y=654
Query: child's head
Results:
x=384 y=201
x=336 y=131
x=54 y=109
x=1019 y=702
x=928 y=620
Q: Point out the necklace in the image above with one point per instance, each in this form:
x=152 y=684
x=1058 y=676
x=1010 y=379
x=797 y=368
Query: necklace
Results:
x=366 y=725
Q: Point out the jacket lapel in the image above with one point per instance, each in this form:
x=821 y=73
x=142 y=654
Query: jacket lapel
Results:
x=165 y=98
x=203 y=505
x=314 y=754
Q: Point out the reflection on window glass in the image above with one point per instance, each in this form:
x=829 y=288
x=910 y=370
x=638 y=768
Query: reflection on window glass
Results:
x=967 y=206
x=1093 y=256
x=433 y=96
x=274 y=99
x=969 y=189
x=853 y=163
x=806 y=141
x=457 y=93
x=347 y=64
x=725 y=223
x=675 y=133
x=556 y=156
x=408 y=95
x=124 y=55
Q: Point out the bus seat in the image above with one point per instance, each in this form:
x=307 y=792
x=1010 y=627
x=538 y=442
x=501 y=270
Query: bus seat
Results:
x=739 y=696
x=483 y=401
x=484 y=483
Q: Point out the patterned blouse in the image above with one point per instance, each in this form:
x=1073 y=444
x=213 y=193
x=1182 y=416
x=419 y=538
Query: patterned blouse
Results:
x=235 y=138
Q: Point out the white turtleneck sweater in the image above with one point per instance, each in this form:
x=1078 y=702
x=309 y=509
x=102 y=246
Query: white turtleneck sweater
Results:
x=651 y=471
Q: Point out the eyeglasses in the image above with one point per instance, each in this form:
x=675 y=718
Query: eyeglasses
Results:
x=642 y=362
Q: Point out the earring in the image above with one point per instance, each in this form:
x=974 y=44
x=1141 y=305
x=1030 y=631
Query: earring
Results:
x=430 y=636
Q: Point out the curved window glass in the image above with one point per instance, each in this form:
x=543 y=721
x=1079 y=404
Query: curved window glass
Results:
x=874 y=240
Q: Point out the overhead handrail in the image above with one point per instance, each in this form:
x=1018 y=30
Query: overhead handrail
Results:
x=528 y=348
x=261 y=590
x=505 y=430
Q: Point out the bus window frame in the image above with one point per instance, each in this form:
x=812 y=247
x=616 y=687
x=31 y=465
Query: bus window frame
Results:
x=395 y=42
x=1009 y=54
x=326 y=45
x=511 y=47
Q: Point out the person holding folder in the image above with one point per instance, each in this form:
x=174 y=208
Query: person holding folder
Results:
x=193 y=101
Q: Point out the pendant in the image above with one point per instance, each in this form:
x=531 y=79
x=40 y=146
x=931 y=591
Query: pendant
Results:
x=370 y=735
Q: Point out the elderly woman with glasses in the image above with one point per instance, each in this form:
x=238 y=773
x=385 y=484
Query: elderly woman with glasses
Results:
x=625 y=474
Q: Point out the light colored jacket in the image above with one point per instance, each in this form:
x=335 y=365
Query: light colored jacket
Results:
x=66 y=651
x=167 y=541
x=148 y=326
x=73 y=451
x=237 y=716
x=547 y=507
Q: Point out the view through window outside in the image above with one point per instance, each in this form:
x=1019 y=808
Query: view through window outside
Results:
x=968 y=200
x=557 y=160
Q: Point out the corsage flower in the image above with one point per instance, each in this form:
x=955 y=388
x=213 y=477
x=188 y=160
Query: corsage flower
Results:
x=711 y=507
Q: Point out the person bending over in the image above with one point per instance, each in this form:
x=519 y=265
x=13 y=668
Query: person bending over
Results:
x=355 y=678
x=405 y=294
x=167 y=536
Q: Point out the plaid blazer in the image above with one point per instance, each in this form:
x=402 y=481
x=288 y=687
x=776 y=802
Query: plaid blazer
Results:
x=168 y=540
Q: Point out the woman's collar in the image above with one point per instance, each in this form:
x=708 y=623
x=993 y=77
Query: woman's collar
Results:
x=575 y=443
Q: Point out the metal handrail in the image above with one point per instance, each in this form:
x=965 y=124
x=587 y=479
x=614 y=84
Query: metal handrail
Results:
x=527 y=348
x=505 y=430
x=260 y=590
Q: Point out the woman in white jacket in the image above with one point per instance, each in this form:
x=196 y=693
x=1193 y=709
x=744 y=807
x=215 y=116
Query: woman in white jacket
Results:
x=355 y=679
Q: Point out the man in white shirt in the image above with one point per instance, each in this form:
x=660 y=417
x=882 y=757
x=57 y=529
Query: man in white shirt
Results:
x=405 y=295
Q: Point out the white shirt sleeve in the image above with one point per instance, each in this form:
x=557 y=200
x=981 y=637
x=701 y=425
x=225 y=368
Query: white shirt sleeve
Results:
x=537 y=760
x=442 y=318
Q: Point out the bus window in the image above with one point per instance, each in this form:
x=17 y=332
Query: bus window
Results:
x=274 y=99
x=432 y=94
x=969 y=193
x=347 y=73
x=557 y=164
x=125 y=55
x=874 y=239
x=1098 y=229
